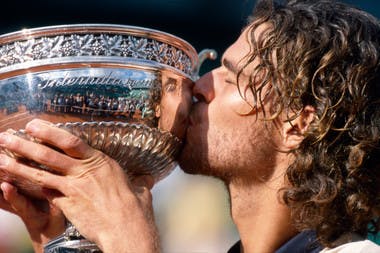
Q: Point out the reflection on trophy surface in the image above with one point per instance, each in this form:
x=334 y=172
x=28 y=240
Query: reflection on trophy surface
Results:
x=124 y=90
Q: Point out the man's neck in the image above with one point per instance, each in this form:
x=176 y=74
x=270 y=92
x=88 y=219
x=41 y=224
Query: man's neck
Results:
x=262 y=220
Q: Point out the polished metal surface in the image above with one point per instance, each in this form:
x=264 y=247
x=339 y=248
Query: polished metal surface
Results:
x=122 y=89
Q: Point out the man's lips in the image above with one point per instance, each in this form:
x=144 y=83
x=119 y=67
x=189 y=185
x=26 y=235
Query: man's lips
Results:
x=191 y=120
x=196 y=114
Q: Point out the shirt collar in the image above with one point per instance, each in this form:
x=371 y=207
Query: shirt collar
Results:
x=304 y=242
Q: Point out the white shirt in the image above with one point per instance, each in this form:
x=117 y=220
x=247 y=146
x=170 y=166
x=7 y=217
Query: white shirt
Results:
x=365 y=246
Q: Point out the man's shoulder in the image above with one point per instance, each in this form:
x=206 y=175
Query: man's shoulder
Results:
x=235 y=248
x=364 y=246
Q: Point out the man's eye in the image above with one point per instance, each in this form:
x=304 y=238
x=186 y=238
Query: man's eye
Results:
x=229 y=81
x=171 y=87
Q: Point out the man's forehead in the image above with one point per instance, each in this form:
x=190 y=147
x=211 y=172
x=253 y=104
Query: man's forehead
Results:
x=238 y=50
x=235 y=56
x=242 y=47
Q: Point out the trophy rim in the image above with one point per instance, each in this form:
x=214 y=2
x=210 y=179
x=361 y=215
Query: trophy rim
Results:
x=36 y=32
x=33 y=36
x=39 y=66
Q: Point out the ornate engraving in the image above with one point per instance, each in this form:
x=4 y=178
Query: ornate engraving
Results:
x=94 y=45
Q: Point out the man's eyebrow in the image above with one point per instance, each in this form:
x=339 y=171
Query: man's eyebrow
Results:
x=232 y=67
x=229 y=65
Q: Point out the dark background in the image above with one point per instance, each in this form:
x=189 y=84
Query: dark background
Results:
x=203 y=23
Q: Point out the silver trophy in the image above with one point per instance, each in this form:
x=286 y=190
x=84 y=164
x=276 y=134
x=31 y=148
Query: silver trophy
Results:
x=122 y=89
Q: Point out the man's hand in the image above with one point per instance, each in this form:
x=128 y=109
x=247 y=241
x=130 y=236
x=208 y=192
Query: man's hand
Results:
x=90 y=188
x=43 y=221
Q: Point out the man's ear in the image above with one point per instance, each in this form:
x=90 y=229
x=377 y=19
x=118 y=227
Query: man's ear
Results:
x=294 y=131
x=157 y=111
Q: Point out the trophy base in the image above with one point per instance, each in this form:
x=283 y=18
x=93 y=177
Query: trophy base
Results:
x=64 y=245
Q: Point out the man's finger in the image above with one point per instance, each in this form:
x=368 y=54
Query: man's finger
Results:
x=60 y=138
x=4 y=203
x=36 y=152
x=15 y=200
x=142 y=186
x=56 y=199
x=21 y=205
x=143 y=181
x=39 y=177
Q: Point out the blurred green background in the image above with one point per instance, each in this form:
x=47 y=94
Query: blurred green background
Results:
x=192 y=212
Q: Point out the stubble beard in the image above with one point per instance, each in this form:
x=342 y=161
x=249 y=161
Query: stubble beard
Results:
x=192 y=160
x=231 y=155
x=197 y=158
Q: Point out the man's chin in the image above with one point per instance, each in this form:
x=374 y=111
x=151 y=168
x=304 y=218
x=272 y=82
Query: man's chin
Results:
x=195 y=166
x=186 y=165
x=190 y=163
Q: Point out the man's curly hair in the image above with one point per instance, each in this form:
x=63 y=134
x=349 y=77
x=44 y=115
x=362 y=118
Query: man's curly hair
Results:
x=326 y=55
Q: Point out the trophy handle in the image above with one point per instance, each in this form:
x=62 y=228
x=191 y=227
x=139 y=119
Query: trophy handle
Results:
x=202 y=56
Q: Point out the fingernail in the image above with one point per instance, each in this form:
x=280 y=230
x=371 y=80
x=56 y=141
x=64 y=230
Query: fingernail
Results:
x=32 y=127
x=144 y=181
x=3 y=186
x=4 y=139
x=3 y=161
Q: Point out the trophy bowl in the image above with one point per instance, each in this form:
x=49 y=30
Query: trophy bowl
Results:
x=125 y=90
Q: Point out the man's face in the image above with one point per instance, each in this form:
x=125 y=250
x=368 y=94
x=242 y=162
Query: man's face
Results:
x=175 y=104
x=225 y=137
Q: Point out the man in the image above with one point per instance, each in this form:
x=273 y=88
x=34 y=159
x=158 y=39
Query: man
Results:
x=290 y=122
x=308 y=74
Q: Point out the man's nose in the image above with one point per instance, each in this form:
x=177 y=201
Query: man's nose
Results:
x=203 y=89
